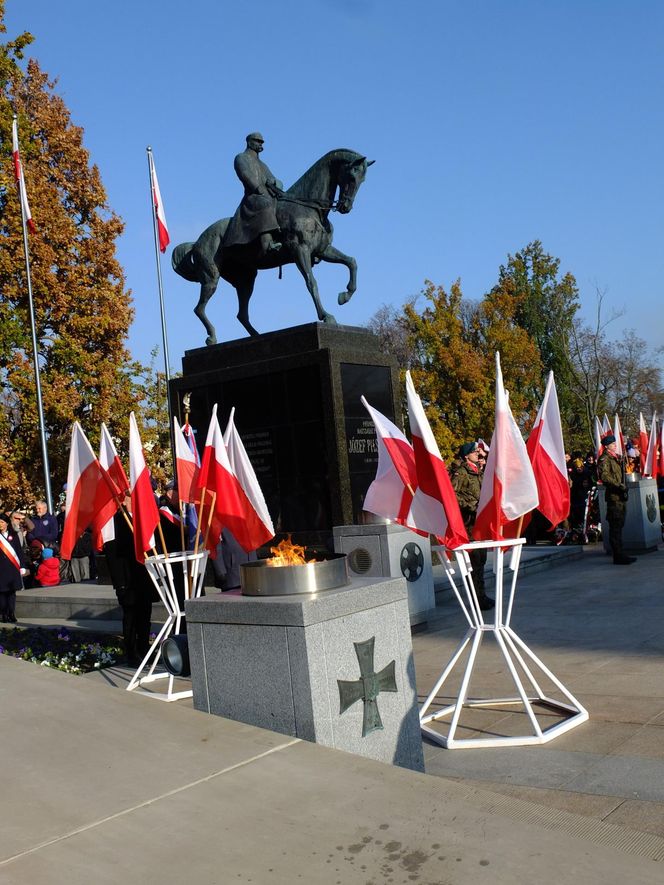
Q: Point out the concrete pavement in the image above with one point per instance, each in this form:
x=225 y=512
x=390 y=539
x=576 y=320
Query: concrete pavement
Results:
x=104 y=786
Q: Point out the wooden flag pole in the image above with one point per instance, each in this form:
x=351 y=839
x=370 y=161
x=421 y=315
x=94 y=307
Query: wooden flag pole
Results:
x=161 y=537
x=207 y=530
x=200 y=517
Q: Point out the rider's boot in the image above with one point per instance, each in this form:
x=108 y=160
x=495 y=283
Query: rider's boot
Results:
x=268 y=244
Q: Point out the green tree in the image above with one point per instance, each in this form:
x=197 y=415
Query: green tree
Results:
x=545 y=306
x=82 y=308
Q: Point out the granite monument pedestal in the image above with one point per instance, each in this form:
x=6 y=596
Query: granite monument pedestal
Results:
x=335 y=668
x=642 y=530
x=297 y=394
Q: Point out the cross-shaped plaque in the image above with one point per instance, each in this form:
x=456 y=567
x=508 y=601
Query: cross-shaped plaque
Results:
x=367 y=687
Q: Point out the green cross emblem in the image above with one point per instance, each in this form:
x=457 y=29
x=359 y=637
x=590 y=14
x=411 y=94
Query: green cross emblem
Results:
x=367 y=687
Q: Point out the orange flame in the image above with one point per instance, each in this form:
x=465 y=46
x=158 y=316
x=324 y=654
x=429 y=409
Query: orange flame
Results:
x=287 y=553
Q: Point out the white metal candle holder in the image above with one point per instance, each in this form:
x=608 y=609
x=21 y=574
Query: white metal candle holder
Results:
x=161 y=569
x=514 y=650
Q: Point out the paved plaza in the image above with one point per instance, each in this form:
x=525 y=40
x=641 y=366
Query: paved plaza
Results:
x=103 y=786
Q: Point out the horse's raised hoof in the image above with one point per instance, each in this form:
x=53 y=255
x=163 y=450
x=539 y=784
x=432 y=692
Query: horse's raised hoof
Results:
x=329 y=319
x=211 y=339
x=344 y=297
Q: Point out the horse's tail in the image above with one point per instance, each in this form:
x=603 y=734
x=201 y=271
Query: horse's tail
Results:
x=182 y=261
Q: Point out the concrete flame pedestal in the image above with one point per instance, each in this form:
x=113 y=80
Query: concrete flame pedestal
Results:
x=277 y=662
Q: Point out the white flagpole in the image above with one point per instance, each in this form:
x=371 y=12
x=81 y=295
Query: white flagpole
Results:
x=35 y=349
x=164 y=336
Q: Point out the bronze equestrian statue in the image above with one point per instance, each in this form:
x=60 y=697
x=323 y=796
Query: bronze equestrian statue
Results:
x=273 y=227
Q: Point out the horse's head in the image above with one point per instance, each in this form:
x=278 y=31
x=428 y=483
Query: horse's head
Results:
x=350 y=177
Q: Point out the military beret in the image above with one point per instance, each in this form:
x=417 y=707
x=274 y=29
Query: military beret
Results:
x=608 y=439
x=467 y=449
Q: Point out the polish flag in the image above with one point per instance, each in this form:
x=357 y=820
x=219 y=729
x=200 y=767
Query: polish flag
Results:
x=89 y=490
x=232 y=508
x=144 y=512
x=660 y=463
x=606 y=425
x=110 y=461
x=434 y=508
x=643 y=443
x=546 y=451
x=599 y=433
x=509 y=488
x=20 y=179
x=650 y=468
x=162 y=228
x=391 y=493
x=620 y=439
x=246 y=476
x=187 y=466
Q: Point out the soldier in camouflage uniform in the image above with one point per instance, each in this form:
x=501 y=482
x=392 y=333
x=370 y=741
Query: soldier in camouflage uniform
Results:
x=609 y=471
x=466 y=478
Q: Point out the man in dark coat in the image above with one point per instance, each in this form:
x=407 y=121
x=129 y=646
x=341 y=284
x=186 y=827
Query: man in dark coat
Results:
x=466 y=480
x=256 y=215
x=609 y=471
x=133 y=588
x=43 y=526
x=13 y=565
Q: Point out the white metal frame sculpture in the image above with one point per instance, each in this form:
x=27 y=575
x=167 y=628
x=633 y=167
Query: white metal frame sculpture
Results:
x=514 y=651
x=160 y=568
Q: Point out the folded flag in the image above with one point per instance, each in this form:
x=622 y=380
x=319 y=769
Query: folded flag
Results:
x=90 y=490
x=20 y=179
x=144 y=512
x=509 y=488
x=434 y=508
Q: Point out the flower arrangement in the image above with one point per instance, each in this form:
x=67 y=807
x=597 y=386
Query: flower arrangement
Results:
x=72 y=652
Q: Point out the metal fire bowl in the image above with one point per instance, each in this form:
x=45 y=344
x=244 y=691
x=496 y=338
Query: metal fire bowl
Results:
x=259 y=579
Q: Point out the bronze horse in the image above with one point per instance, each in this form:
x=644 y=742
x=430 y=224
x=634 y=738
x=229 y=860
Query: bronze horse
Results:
x=305 y=233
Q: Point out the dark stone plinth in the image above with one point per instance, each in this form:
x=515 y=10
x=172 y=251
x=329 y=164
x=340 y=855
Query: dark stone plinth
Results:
x=296 y=394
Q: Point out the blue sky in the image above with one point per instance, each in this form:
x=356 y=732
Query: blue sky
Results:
x=491 y=123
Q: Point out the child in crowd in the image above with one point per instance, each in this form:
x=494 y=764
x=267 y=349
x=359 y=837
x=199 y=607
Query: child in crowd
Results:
x=48 y=573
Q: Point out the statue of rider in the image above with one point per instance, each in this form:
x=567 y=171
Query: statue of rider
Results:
x=256 y=216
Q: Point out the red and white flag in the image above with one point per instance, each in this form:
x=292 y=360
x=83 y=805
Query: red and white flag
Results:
x=660 y=462
x=650 y=468
x=435 y=507
x=9 y=552
x=246 y=476
x=391 y=493
x=187 y=466
x=144 y=511
x=643 y=443
x=546 y=451
x=606 y=425
x=620 y=439
x=110 y=461
x=232 y=509
x=599 y=448
x=509 y=488
x=89 y=490
x=162 y=228
x=20 y=179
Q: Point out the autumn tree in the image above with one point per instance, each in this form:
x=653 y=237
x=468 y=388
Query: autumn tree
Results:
x=82 y=308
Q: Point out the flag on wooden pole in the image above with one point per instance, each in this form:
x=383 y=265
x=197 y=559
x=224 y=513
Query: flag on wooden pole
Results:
x=509 y=488
x=620 y=439
x=650 y=468
x=246 y=476
x=435 y=507
x=598 y=432
x=89 y=490
x=144 y=511
x=546 y=451
x=643 y=443
x=391 y=493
